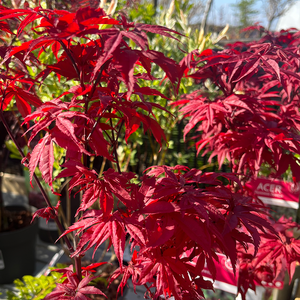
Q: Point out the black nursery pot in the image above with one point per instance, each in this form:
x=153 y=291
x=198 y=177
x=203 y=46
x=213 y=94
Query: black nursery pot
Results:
x=48 y=231
x=17 y=253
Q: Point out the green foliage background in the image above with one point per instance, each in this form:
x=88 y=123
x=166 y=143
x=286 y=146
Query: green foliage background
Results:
x=33 y=288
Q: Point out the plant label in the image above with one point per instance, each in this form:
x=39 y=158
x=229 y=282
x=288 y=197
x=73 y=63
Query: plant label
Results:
x=275 y=192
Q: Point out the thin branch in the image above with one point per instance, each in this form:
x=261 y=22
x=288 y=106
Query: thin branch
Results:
x=110 y=139
x=94 y=127
x=102 y=167
x=99 y=77
x=73 y=62
x=120 y=128
x=115 y=147
x=91 y=95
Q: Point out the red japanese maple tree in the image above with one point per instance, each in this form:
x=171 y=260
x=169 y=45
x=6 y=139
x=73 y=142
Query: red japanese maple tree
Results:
x=251 y=120
x=176 y=218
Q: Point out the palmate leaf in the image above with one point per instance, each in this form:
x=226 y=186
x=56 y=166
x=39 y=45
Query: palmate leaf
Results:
x=156 y=29
x=89 y=16
x=42 y=154
x=32 y=45
x=249 y=67
x=95 y=190
x=242 y=111
x=275 y=256
x=7 y=13
x=23 y=107
x=155 y=129
x=145 y=90
x=47 y=213
x=5 y=27
x=160 y=207
x=98 y=229
x=283 y=251
x=45 y=114
x=173 y=71
x=59 y=25
x=31 y=17
x=240 y=212
x=139 y=37
x=64 y=68
x=200 y=110
x=126 y=67
x=24 y=99
x=109 y=47
x=171 y=276
x=47 y=161
x=74 y=289
x=127 y=272
x=98 y=143
x=64 y=136
x=133 y=119
x=197 y=231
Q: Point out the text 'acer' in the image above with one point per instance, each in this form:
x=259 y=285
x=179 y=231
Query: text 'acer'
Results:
x=175 y=219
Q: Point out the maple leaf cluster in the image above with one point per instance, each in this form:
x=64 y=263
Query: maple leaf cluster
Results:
x=175 y=218
x=176 y=225
x=252 y=117
x=246 y=112
x=275 y=256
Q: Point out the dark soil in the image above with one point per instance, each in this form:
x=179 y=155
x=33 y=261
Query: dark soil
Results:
x=15 y=217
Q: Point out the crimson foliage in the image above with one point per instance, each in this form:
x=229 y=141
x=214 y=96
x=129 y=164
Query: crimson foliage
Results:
x=253 y=118
x=250 y=120
x=176 y=218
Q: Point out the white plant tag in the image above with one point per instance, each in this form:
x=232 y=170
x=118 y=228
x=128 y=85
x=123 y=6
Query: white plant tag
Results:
x=2 y=265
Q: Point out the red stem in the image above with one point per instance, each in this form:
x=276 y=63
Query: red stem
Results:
x=115 y=141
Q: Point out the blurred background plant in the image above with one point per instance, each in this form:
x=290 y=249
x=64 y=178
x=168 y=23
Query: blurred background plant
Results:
x=33 y=288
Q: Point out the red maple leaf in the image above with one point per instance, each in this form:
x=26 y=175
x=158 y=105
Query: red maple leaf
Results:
x=74 y=289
